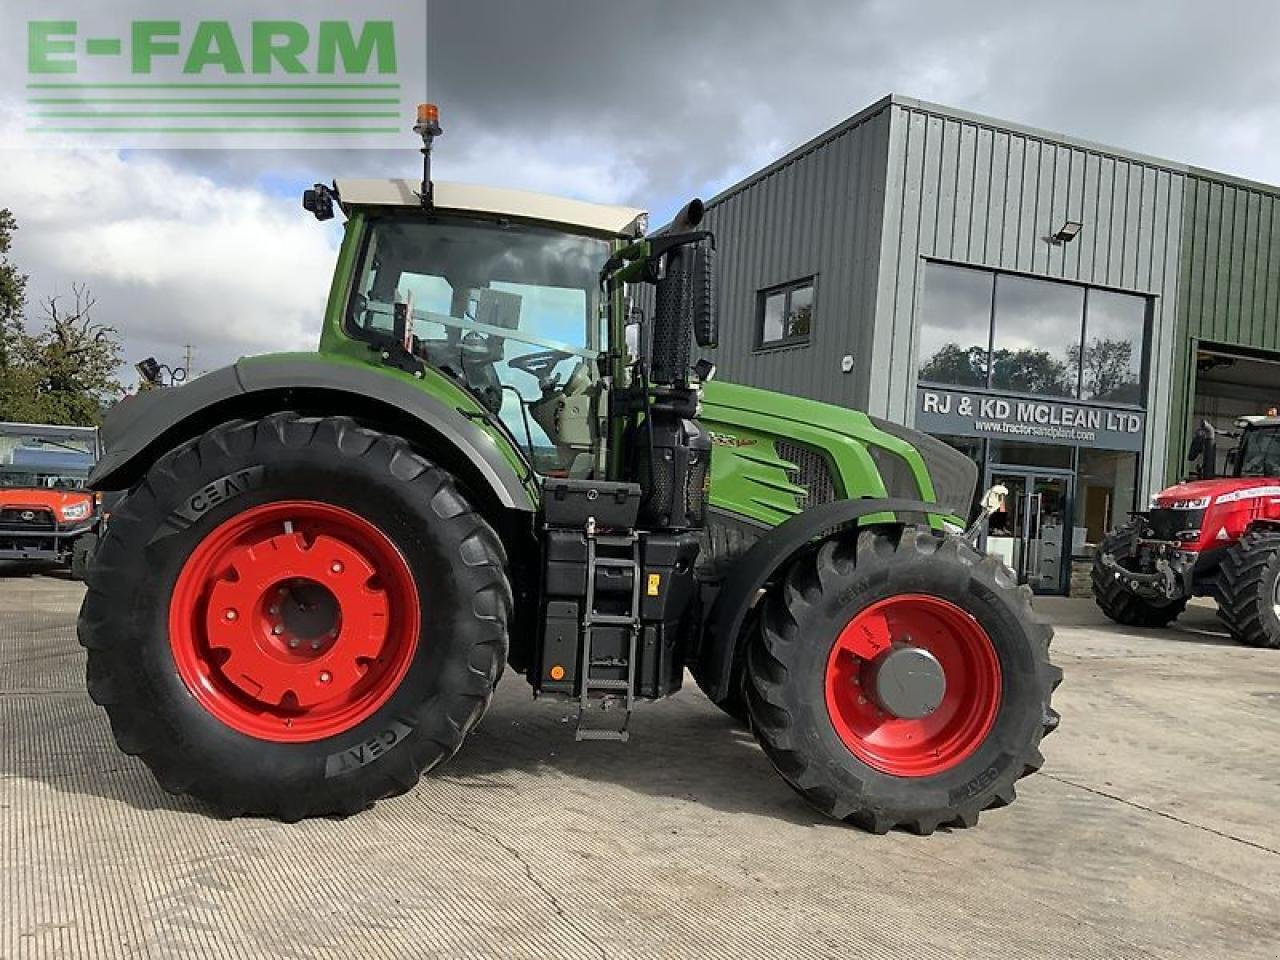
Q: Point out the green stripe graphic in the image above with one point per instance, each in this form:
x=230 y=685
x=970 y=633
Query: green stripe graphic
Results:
x=218 y=114
x=303 y=100
x=213 y=130
x=276 y=85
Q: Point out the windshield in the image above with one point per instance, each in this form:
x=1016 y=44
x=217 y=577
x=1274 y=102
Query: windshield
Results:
x=30 y=458
x=1259 y=453
x=511 y=311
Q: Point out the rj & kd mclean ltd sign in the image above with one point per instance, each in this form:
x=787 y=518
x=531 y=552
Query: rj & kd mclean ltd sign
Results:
x=966 y=414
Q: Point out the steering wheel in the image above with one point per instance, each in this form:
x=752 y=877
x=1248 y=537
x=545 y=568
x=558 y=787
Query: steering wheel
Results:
x=540 y=363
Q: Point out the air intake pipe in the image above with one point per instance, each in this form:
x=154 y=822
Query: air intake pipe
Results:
x=684 y=299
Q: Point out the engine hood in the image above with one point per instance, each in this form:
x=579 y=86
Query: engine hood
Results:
x=1230 y=488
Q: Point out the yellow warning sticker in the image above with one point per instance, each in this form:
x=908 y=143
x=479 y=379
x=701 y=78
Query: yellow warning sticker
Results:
x=655 y=584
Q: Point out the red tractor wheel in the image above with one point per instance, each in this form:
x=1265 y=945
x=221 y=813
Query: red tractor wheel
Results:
x=294 y=620
x=295 y=617
x=899 y=678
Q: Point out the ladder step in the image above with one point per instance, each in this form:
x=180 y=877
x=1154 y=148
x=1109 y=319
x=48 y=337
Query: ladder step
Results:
x=609 y=619
x=607 y=684
x=615 y=540
x=616 y=563
x=601 y=733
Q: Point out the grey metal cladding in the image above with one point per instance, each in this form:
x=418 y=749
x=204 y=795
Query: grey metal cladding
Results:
x=977 y=191
x=815 y=213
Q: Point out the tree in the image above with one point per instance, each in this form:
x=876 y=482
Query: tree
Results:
x=1031 y=371
x=956 y=364
x=1108 y=370
x=65 y=371
x=12 y=291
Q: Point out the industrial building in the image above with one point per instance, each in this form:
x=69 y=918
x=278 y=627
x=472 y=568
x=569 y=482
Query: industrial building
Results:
x=1062 y=311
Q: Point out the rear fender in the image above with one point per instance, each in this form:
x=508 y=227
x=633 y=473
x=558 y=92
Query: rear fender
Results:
x=141 y=429
x=764 y=561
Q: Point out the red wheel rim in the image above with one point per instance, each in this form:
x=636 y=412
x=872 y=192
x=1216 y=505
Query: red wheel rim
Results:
x=947 y=736
x=294 y=621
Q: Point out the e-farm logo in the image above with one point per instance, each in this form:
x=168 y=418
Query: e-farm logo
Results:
x=314 y=79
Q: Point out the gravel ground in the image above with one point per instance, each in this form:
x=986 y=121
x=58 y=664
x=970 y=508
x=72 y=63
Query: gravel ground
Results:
x=1150 y=833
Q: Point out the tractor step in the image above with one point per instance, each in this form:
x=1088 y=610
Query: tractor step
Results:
x=601 y=733
x=603 y=690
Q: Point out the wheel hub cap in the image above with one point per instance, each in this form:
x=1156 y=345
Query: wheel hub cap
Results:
x=294 y=620
x=913 y=685
x=906 y=682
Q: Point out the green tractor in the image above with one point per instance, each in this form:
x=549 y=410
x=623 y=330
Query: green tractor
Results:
x=324 y=562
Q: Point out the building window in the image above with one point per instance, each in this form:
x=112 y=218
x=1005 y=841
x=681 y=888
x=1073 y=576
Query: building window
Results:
x=1035 y=347
x=786 y=314
x=1115 y=327
x=955 y=325
x=1047 y=338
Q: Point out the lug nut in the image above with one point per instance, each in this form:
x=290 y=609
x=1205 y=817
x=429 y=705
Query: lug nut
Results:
x=315 y=644
x=277 y=630
x=230 y=614
x=273 y=610
x=293 y=641
x=336 y=567
x=325 y=676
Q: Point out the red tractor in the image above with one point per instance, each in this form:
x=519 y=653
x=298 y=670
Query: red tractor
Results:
x=1214 y=536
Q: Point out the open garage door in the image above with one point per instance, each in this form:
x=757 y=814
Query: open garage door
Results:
x=1230 y=384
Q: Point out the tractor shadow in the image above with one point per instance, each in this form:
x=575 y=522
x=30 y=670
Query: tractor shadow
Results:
x=682 y=750
x=33 y=568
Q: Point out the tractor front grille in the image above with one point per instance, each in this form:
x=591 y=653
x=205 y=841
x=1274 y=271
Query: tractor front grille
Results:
x=1172 y=525
x=26 y=518
x=812 y=471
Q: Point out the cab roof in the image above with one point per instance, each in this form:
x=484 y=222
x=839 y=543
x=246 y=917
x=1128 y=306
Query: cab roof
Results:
x=517 y=204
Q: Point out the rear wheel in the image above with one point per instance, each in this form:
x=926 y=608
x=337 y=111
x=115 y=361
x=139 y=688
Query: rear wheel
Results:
x=294 y=617
x=1111 y=594
x=1249 y=590
x=899 y=678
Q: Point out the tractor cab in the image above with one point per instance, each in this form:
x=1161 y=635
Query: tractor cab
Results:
x=1257 y=453
x=498 y=290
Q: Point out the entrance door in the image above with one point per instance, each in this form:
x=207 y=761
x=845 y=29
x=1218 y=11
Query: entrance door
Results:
x=1033 y=533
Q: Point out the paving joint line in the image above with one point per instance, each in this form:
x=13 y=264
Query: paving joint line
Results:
x=1161 y=813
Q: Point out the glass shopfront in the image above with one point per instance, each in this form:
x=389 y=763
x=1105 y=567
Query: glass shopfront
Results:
x=1042 y=383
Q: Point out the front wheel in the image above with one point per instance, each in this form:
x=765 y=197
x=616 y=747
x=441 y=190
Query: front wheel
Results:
x=1249 y=590
x=899 y=678
x=1112 y=594
x=82 y=552
x=294 y=617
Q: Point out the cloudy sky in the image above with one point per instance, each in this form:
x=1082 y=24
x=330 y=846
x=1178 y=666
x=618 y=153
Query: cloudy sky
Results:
x=645 y=102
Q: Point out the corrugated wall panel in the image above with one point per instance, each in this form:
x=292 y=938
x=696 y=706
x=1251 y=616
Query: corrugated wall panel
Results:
x=973 y=192
x=816 y=213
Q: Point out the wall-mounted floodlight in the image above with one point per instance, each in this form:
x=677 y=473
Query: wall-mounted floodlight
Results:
x=1067 y=233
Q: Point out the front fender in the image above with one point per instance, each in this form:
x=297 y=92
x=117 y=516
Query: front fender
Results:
x=140 y=429
x=762 y=562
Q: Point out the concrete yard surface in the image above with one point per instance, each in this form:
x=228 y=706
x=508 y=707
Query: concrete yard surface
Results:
x=1151 y=831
